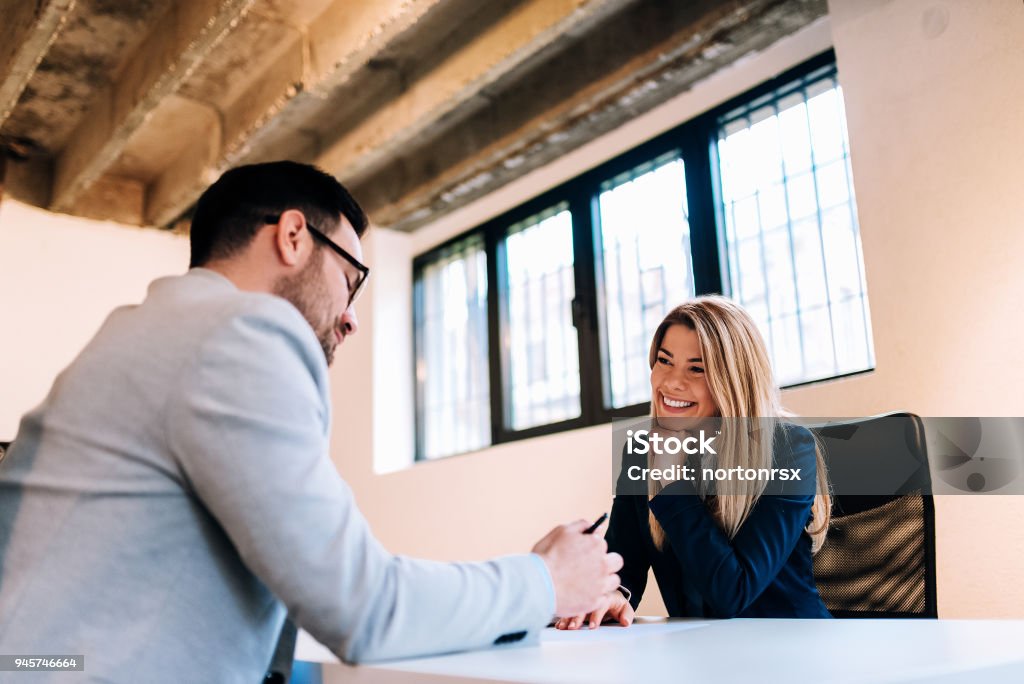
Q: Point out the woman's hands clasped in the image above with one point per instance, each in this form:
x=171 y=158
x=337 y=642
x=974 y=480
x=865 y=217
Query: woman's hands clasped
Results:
x=617 y=610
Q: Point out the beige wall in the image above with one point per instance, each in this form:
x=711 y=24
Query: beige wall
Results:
x=933 y=107
x=59 y=278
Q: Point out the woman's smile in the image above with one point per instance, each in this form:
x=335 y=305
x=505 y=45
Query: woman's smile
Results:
x=676 y=405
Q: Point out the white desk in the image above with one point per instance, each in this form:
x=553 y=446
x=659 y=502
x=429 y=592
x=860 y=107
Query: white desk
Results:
x=756 y=651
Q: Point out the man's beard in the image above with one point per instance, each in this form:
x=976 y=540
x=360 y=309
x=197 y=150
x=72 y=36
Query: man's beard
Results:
x=308 y=293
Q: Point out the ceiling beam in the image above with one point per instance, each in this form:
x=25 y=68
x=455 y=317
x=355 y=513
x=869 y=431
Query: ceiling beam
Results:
x=335 y=46
x=459 y=85
x=339 y=43
x=192 y=168
x=27 y=31
x=112 y=198
x=28 y=180
x=177 y=46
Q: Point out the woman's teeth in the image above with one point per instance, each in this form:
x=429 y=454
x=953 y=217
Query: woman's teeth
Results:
x=677 y=404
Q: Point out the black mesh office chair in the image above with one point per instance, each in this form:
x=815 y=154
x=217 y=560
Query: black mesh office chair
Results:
x=878 y=560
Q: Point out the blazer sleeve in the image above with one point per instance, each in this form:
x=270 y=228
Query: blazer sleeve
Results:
x=731 y=574
x=249 y=426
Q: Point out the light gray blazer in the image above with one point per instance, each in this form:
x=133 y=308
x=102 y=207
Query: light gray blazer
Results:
x=173 y=497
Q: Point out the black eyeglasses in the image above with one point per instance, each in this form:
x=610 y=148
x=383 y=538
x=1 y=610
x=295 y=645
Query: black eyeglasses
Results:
x=364 y=271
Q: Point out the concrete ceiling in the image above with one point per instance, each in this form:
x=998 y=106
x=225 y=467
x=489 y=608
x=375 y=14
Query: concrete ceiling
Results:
x=128 y=109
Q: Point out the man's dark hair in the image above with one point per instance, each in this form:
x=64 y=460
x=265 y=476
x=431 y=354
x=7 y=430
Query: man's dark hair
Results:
x=234 y=208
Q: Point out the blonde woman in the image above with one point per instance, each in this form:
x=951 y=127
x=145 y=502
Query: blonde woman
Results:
x=736 y=551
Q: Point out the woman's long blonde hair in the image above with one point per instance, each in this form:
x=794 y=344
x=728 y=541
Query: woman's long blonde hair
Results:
x=739 y=377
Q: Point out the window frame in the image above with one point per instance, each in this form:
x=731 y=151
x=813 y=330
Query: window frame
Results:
x=695 y=141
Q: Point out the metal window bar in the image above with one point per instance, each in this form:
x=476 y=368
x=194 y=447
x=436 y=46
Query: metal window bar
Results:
x=821 y=234
x=789 y=234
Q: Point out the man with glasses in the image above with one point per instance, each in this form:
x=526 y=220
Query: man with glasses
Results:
x=173 y=496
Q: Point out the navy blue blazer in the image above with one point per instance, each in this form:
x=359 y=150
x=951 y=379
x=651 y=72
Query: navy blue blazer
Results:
x=764 y=571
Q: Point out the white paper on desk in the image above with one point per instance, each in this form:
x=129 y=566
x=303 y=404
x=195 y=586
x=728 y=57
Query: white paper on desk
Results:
x=615 y=632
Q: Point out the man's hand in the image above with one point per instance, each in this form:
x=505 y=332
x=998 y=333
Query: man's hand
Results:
x=617 y=609
x=582 y=570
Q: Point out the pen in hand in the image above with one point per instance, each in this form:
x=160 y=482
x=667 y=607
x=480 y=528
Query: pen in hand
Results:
x=597 y=523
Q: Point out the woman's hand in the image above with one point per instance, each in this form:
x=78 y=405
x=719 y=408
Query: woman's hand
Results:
x=617 y=609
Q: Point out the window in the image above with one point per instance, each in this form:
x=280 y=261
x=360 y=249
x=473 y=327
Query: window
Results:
x=754 y=200
x=794 y=255
x=645 y=262
x=452 y=382
x=538 y=338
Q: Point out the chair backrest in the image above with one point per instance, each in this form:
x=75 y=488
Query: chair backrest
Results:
x=878 y=560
